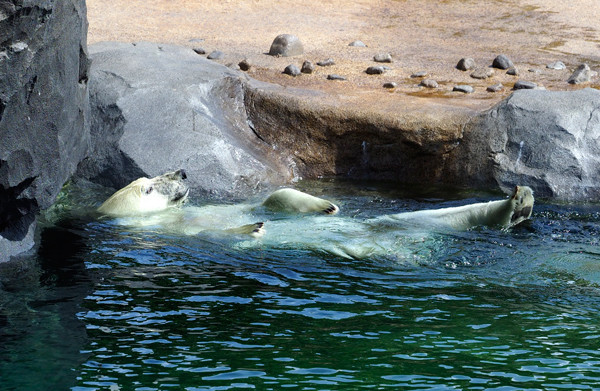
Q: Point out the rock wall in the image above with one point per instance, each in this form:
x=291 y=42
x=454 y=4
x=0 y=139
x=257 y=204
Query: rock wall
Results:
x=157 y=108
x=44 y=110
x=549 y=140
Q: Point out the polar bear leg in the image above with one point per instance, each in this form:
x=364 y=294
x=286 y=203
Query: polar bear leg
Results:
x=255 y=230
x=290 y=200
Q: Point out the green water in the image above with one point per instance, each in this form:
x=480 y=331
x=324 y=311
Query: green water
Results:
x=107 y=307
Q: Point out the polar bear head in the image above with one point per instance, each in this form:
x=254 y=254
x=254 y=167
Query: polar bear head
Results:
x=144 y=195
x=522 y=204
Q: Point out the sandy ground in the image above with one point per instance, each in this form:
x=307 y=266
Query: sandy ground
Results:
x=421 y=35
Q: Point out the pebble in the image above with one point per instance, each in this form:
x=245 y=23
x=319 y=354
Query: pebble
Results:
x=465 y=64
x=512 y=71
x=244 y=65
x=419 y=74
x=382 y=57
x=375 y=70
x=326 y=63
x=524 y=85
x=359 y=44
x=286 y=45
x=199 y=50
x=463 y=88
x=216 y=55
x=335 y=77
x=502 y=62
x=558 y=65
x=482 y=73
x=390 y=85
x=429 y=83
x=495 y=88
x=307 y=67
x=583 y=74
x=291 y=70
x=534 y=70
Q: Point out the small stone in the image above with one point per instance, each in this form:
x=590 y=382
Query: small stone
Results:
x=199 y=50
x=429 y=83
x=326 y=63
x=558 y=65
x=390 y=85
x=534 y=70
x=512 y=71
x=502 y=62
x=216 y=55
x=307 y=67
x=463 y=88
x=286 y=45
x=482 y=73
x=495 y=88
x=583 y=74
x=335 y=77
x=244 y=65
x=382 y=57
x=292 y=70
x=524 y=85
x=375 y=70
x=359 y=44
x=419 y=74
x=465 y=64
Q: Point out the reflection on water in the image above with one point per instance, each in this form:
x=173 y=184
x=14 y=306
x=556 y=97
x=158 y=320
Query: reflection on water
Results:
x=115 y=308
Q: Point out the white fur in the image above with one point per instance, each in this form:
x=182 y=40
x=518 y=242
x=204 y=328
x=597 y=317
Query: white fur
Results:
x=291 y=200
x=134 y=199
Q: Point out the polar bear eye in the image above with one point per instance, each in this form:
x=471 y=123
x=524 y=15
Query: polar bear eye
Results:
x=148 y=190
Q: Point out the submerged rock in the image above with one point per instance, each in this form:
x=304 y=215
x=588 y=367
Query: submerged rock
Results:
x=429 y=83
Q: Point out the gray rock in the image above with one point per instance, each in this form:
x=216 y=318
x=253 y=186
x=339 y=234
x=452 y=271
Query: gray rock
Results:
x=326 y=63
x=419 y=74
x=583 y=74
x=513 y=71
x=524 y=85
x=286 y=45
x=378 y=70
x=292 y=70
x=159 y=109
x=548 y=140
x=502 y=62
x=390 y=85
x=466 y=64
x=334 y=76
x=44 y=111
x=359 y=44
x=199 y=50
x=495 y=88
x=482 y=73
x=464 y=89
x=216 y=55
x=244 y=65
x=383 y=57
x=429 y=83
x=307 y=67
x=558 y=65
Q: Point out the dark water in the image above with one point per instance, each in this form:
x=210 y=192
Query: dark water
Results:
x=106 y=307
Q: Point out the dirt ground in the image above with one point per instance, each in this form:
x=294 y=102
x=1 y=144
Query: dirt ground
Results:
x=421 y=35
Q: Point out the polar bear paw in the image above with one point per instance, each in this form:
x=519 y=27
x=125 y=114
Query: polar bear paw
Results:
x=256 y=230
x=522 y=200
x=294 y=201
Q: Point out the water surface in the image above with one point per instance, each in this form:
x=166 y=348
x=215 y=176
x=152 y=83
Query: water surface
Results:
x=109 y=307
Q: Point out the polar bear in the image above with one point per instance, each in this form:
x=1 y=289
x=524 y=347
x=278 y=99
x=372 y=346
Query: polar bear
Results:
x=502 y=213
x=146 y=196
x=157 y=201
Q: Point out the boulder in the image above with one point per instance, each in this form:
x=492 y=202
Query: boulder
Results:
x=157 y=108
x=286 y=45
x=44 y=111
x=547 y=140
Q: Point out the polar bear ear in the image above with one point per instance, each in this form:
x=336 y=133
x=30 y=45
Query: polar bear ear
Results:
x=147 y=189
